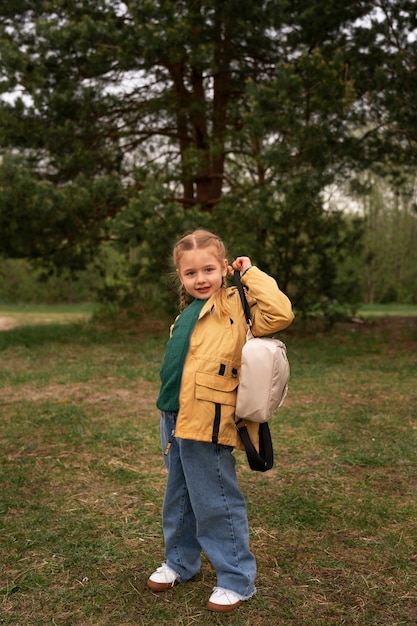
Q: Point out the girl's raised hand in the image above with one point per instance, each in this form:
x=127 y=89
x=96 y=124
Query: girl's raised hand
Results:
x=242 y=263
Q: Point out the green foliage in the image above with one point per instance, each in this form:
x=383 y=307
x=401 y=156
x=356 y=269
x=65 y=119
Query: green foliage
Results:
x=20 y=282
x=108 y=279
x=387 y=205
x=61 y=225
x=133 y=122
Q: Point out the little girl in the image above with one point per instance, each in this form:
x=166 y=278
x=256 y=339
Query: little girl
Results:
x=204 y=508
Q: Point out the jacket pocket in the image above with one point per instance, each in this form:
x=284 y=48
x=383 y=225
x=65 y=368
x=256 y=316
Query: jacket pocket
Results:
x=215 y=388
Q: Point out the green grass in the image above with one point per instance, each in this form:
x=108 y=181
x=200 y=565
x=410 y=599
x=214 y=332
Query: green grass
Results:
x=388 y=310
x=333 y=525
x=87 y=308
x=34 y=314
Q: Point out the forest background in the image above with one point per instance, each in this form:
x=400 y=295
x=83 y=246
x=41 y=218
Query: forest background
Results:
x=290 y=128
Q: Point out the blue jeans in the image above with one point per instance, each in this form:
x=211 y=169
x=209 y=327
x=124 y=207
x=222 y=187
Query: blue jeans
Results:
x=204 y=509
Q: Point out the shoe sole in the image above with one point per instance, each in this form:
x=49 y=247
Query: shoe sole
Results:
x=160 y=586
x=222 y=608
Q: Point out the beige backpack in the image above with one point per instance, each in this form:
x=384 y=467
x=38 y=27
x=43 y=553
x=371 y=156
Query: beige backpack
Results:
x=264 y=374
x=263 y=385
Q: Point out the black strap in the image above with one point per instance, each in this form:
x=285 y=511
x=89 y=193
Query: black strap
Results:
x=245 y=305
x=216 y=425
x=264 y=459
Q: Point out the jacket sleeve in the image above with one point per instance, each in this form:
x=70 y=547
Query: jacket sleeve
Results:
x=271 y=309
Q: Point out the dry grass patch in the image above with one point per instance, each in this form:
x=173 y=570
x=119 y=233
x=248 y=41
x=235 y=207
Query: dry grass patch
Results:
x=141 y=394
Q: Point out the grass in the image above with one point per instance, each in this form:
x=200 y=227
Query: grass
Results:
x=34 y=314
x=333 y=525
x=388 y=310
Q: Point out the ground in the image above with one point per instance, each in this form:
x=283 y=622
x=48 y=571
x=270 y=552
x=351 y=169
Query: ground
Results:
x=7 y=323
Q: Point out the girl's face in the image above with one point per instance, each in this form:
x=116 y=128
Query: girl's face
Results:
x=201 y=272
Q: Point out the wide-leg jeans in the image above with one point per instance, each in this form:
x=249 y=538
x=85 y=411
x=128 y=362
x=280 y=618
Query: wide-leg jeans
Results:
x=204 y=509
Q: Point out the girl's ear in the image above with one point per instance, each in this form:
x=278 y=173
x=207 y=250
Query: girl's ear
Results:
x=225 y=265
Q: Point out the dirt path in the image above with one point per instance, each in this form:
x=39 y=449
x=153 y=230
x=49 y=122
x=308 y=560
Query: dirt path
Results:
x=7 y=323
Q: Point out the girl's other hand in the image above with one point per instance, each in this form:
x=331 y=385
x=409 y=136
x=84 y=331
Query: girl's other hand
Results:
x=242 y=263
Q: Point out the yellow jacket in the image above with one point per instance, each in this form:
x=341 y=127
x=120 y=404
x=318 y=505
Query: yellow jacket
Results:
x=211 y=369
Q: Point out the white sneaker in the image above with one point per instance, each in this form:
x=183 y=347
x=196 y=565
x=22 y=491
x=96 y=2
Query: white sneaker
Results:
x=163 y=578
x=223 y=600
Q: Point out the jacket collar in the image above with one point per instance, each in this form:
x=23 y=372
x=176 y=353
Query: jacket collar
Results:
x=208 y=307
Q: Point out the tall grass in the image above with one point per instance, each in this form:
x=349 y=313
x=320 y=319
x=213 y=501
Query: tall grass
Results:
x=333 y=525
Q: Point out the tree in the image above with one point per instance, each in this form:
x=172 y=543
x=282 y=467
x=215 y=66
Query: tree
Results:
x=390 y=235
x=231 y=114
x=62 y=225
x=116 y=86
x=383 y=61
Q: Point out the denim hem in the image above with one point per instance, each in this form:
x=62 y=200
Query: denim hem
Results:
x=181 y=579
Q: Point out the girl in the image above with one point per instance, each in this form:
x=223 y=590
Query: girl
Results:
x=204 y=508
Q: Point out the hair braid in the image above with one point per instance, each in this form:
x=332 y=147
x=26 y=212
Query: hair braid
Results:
x=183 y=297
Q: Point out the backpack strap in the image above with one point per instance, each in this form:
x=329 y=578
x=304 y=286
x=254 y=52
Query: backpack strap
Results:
x=245 y=305
x=264 y=459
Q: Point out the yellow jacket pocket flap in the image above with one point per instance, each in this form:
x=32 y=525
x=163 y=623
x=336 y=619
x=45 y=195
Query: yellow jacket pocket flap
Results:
x=215 y=388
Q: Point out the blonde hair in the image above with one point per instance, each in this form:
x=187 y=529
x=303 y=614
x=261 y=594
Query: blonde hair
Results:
x=198 y=240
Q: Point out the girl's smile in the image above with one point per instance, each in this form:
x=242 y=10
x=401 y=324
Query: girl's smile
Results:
x=201 y=272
